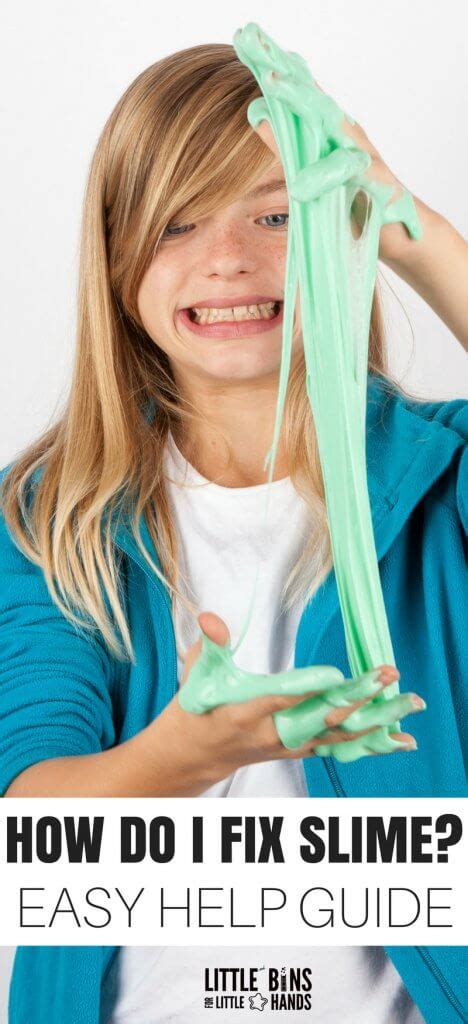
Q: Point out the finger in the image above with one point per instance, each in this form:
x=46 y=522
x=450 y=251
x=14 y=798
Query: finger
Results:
x=235 y=686
x=261 y=706
x=190 y=658
x=403 y=741
x=356 y=132
x=257 y=111
x=371 y=684
x=377 y=741
x=363 y=687
x=383 y=712
x=295 y=95
x=265 y=131
x=215 y=629
x=328 y=173
x=309 y=718
x=295 y=683
x=265 y=694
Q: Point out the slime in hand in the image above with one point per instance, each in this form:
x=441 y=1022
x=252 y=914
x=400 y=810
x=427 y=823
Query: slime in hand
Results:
x=335 y=272
x=214 y=679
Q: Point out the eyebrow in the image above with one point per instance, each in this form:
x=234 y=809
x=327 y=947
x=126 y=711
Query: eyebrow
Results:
x=276 y=185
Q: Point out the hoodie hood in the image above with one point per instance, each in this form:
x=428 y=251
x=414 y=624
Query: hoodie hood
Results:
x=409 y=446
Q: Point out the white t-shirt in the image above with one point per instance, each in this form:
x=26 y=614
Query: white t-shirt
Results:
x=223 y=540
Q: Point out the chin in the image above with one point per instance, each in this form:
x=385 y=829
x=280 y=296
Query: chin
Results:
x=232 y=366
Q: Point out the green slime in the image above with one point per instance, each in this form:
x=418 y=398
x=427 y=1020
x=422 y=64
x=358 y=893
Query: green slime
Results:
x=335 y=272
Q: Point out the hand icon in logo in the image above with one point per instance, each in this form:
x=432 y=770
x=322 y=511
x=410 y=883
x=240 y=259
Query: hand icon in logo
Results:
x=257 y=1002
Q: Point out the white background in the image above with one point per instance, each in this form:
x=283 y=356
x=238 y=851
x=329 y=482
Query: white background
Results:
x=399 y=68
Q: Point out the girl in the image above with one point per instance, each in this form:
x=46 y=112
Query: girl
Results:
x=151 y=487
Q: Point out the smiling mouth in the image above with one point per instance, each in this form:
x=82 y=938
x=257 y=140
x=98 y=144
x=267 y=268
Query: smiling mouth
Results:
x=204 y=316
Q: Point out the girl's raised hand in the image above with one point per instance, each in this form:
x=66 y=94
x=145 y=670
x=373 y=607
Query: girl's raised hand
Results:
x=392 y=236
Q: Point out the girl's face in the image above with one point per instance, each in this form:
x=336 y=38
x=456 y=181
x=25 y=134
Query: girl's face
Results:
x=212 y=297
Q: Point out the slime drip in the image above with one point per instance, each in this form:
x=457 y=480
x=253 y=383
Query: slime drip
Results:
x=335 y=272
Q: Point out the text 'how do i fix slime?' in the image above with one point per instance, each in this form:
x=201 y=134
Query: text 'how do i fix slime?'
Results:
x=250 y=839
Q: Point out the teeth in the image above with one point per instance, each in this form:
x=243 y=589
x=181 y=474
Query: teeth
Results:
x=262 y=311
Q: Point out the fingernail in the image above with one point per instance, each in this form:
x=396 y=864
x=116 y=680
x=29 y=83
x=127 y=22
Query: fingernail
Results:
x=388 y=674
x=409 y=746
x=376 y=676
x=417 y=702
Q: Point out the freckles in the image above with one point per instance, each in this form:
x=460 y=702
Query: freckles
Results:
x=278 y=255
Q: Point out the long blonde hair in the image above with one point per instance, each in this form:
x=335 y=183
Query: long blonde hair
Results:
x=177 y=140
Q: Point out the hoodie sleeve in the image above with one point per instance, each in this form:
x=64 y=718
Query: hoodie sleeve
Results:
x=447 y=581
x=462 y=484
x=455 y=415
x=460 y=599
x=55 y=682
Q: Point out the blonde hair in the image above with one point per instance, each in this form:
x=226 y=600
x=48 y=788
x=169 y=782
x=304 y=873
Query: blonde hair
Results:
x=177 y=140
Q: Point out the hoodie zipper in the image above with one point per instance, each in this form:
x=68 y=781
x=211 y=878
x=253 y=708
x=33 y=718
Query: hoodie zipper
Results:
x=421 y=950
x=447 y=990
x=333 y=776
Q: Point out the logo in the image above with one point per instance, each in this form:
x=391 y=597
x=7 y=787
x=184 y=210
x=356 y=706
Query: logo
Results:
x=254 y=988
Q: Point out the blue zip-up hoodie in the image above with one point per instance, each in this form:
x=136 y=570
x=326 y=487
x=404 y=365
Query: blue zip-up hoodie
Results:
x=63 y=694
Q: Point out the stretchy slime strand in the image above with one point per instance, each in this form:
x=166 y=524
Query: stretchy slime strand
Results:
x=335 y=272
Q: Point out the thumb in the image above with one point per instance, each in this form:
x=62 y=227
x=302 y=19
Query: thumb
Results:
x=265 y=131
x=215 y=629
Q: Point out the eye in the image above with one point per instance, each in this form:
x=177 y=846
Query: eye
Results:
x=277 y=220
x=173 y=230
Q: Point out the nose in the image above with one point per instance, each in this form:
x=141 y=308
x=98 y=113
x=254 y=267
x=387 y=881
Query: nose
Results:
x=229 y=252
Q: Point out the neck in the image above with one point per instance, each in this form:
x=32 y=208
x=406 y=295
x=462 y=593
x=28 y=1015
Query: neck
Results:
x=233 y=431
